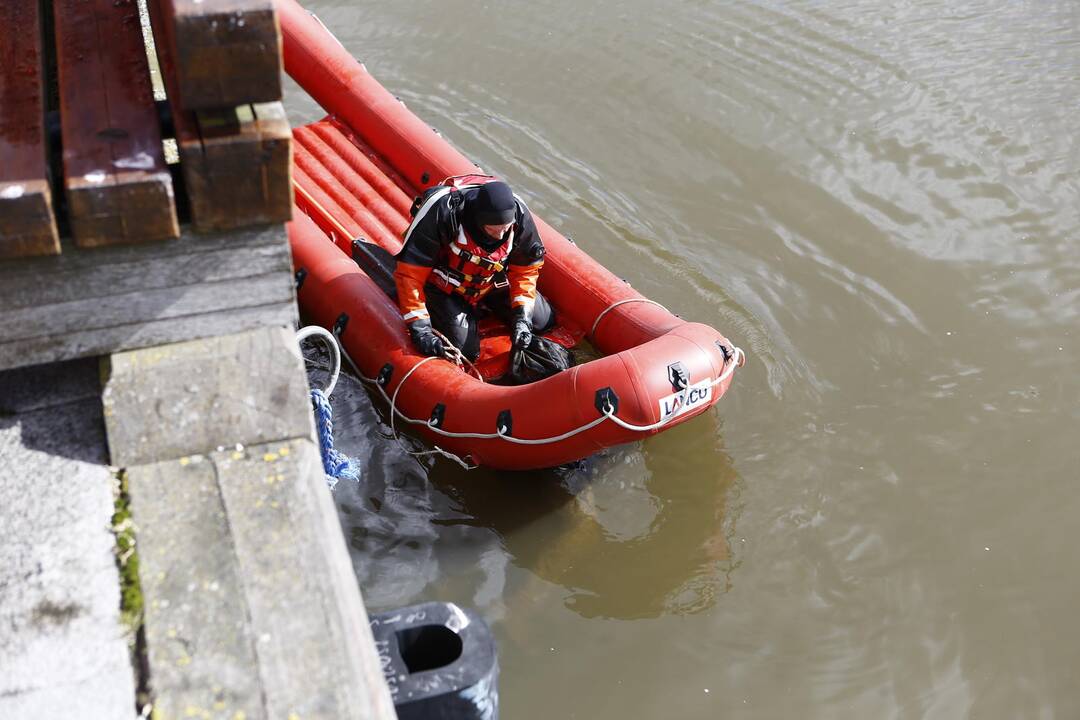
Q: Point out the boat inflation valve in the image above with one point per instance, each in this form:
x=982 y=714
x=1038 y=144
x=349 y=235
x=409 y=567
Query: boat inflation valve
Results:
x=607 y=401
x=439 y=661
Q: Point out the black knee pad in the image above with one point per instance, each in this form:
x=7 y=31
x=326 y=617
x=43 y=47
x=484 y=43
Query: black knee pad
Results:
x=543 y=315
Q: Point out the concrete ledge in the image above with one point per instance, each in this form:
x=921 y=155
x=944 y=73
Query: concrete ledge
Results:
x=251 y=607
x=193 y=397
x=63 y=651
x=252 y=604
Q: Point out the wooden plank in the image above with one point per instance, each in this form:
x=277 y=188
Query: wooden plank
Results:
x=30 y=323
x=238 y=167
x=27 y=225
x=101 y=341
x=236 y=162
x=227 y=52
x=222 y=259
x=79 y=304
x=117 y=185
x=270 y=235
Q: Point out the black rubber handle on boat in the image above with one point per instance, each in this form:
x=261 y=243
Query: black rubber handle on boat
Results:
x=505 y=423
x=677 y=376
x=437 y=415
x=340 y=323
x=605 y=398
x=301 y=275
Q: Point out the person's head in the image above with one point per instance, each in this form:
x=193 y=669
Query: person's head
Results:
x=493 y=210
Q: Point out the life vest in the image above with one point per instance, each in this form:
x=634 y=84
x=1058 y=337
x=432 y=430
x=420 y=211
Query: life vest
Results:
x=468 y=269
x=463 y=266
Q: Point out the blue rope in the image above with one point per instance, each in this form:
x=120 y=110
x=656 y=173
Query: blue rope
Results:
x=335 y=463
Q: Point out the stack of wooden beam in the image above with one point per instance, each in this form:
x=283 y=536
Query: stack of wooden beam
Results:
x=221 y=63
x=109 y=240
x=27 y=224
x=103 y=177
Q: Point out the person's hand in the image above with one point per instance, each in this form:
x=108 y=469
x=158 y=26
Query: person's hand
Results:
x=521 y=335
x=423 y=337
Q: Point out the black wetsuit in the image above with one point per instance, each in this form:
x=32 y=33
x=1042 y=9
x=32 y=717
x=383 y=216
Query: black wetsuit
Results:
x=451 y=313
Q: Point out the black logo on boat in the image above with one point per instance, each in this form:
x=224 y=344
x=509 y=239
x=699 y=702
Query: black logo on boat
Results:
x=677 y=376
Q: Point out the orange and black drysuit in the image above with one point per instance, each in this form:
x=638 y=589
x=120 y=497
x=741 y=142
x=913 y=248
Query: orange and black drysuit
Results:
x=449 y=265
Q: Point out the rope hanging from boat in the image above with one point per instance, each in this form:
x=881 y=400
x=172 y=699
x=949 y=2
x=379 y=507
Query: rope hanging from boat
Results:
x=336 y=464
x=737 y=359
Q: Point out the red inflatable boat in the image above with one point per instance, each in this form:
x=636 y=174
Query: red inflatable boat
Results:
x=356 y=174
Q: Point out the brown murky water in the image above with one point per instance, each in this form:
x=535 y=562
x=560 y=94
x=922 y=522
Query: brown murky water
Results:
x=879 y=202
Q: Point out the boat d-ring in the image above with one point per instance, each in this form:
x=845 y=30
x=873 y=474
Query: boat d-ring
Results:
x=330 y=342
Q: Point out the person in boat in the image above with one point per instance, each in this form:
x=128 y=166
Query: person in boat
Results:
x=465 y=249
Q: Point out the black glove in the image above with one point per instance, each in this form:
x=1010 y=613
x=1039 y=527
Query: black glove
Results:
x=423 y=337
x=521 y=334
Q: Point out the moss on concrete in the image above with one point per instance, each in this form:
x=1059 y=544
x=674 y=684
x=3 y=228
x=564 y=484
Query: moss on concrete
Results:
x=131 y=594
x=127 y=559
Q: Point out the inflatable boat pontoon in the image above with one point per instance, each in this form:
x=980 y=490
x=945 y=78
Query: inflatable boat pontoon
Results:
x=355 y=175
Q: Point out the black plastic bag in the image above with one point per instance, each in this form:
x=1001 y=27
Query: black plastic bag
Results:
x=542 y=358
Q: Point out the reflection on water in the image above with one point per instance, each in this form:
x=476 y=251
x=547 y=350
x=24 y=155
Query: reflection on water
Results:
x=580 y=527
x=878 y=201
x=584 y=528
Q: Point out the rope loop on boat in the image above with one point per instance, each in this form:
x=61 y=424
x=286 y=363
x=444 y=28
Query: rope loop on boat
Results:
x=335 y=463
x=331 y=345
x=737 y=359
x=612 y=306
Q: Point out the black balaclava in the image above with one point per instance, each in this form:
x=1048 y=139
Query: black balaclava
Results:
x=493 y=204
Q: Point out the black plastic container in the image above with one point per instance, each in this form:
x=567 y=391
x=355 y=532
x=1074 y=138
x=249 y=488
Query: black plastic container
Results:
x=439 y=661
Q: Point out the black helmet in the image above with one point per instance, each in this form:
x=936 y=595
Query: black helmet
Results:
x=493 y=205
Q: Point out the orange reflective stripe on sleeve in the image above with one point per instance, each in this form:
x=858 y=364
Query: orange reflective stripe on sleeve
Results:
x=410 y=280
x=523 y=284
